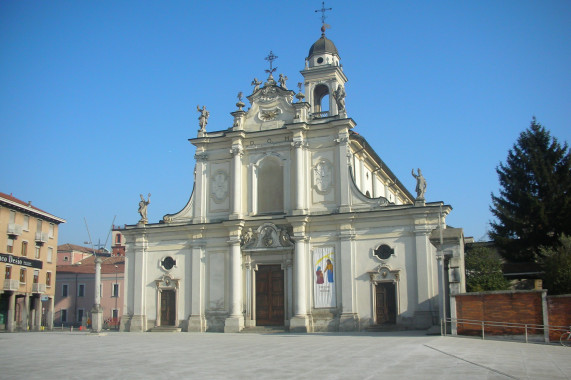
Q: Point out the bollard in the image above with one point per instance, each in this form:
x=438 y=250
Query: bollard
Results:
x=70 y=328
x=525 y=333
x=482 y=330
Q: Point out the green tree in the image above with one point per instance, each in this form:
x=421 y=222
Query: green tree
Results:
x=484 y=270
x=533 y=207
x=556 y=263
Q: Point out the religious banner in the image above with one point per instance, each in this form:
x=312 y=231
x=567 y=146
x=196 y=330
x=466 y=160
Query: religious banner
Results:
x=324 y=277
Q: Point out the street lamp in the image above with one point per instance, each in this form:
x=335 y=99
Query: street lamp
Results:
x=116 y=291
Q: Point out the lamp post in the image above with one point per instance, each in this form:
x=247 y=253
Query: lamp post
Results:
x=116 y=294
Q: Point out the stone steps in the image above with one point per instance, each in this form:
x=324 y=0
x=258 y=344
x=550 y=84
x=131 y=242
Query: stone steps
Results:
x=165 y=329
x=264 y=330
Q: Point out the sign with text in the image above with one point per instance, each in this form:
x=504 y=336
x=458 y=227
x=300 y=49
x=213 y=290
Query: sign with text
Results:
x=22 y=261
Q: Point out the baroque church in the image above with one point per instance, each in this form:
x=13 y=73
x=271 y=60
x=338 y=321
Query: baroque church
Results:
x=293 y=221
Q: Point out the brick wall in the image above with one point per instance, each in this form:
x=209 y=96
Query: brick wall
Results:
x=523 y=307
x=559 y=309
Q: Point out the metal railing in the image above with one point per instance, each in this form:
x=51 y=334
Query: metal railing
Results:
x=503 y=329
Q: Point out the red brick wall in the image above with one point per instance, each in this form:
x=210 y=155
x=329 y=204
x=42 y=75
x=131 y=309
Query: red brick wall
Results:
x=559 y=308
x=523 y=307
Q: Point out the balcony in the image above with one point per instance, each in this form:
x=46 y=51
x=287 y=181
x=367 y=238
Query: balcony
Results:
x=38 y=288
x=41 y=238
x=11 y=285
x=14 y=230
x=320 y=115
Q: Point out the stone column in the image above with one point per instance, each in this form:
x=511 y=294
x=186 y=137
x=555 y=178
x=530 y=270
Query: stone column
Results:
x=137 y=267
x=424 y=277
x=289 y=287
x=300 y=203
x=200 y=197
x=97 y=310
x=25 y=313
x=50 y=314
x=11 y=308
x=343 y=177
x=235 y=320
x=299 y=322
x=237 y=153
x=196 y=321
x=249 y=322
x=38 y=314
x=349 y=320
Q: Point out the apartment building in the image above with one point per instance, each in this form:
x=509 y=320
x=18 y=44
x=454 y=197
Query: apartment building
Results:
x=28 y=255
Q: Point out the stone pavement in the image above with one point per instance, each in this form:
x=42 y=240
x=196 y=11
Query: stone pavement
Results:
x=395 y=355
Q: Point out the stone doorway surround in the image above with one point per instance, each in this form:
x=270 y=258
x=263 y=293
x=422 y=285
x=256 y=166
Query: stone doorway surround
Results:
x=383 y=274
x=167 y=283
x=267 y=245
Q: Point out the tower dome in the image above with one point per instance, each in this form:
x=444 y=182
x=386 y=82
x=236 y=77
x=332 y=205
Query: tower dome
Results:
x=322 y=46
x=323 y=52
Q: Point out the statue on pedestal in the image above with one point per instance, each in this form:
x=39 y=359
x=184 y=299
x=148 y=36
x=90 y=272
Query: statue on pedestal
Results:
x=203 y=118
x=143 y=208
x=420 y=184
x=339 y=96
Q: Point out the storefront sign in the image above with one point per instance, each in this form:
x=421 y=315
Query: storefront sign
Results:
x=18 y=260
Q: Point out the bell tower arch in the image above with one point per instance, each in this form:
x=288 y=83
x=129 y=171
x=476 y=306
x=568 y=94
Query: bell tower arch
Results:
x=324 y=79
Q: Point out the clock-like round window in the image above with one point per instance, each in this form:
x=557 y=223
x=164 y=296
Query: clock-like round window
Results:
x=168 y=263
x=320 y=60
x=384 y=252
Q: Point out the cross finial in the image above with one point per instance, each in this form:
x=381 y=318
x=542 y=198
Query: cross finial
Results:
x=323 y=10
x=271 y=58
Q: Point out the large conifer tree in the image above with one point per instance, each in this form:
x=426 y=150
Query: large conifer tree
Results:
x=533 y=208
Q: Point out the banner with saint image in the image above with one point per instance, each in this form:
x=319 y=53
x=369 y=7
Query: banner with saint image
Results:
x=324 y=277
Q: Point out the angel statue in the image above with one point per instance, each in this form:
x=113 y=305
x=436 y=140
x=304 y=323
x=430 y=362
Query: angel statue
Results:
x=256 y=83
x=203 y=118
x=143 y=208
x=282 y=81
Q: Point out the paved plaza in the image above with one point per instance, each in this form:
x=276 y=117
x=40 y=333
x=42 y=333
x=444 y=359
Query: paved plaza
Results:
x=397 y=355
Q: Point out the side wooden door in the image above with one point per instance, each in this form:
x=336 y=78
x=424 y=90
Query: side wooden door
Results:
x=168 y=308
x=385 y=300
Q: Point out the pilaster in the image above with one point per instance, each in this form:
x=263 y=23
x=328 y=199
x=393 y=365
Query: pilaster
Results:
x=235 y=320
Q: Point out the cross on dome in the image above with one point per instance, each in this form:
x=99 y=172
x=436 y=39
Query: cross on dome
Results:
x=323 y=17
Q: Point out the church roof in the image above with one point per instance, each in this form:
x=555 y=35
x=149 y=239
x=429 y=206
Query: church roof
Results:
x=323 y=45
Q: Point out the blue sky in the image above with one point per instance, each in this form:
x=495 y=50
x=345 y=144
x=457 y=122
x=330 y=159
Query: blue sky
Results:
x=98 y=98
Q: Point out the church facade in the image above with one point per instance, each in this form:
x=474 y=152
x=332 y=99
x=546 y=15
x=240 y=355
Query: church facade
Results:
x=293 y=221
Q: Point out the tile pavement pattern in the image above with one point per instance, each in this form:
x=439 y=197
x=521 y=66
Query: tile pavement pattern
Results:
x=396 y=355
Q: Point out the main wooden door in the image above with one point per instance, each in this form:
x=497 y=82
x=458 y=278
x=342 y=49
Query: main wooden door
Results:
x=270 y=295
x=168 y=308
x=385 y=303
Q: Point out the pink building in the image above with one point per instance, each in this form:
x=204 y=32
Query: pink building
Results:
x=70 y=253
x=75 y=295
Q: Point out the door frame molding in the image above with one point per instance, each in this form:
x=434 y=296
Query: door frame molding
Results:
x=166 y=282
x=384 y=274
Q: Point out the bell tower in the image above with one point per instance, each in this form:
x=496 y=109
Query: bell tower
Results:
x=324 y=78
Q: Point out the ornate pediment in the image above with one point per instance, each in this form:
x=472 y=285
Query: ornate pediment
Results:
x=267 y=236
x=167 y=281
x=384 y=273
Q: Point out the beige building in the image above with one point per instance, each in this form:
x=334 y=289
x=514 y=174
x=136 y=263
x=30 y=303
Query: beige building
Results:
x=28 y=255
x=293 y=221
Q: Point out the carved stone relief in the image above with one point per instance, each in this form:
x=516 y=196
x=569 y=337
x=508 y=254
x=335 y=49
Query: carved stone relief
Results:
x=219 y=187
x=323 y=176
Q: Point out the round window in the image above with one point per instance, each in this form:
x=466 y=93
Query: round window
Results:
x=384 y=252
x=168 y=263
x=320 y=60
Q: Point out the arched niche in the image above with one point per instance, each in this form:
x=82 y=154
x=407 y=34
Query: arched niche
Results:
x=321 y=99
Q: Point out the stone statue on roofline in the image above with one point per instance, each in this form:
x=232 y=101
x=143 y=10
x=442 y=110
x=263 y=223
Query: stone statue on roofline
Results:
x=420 y=184
x=282 y=81
x=143 y=208
x=203 y=118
